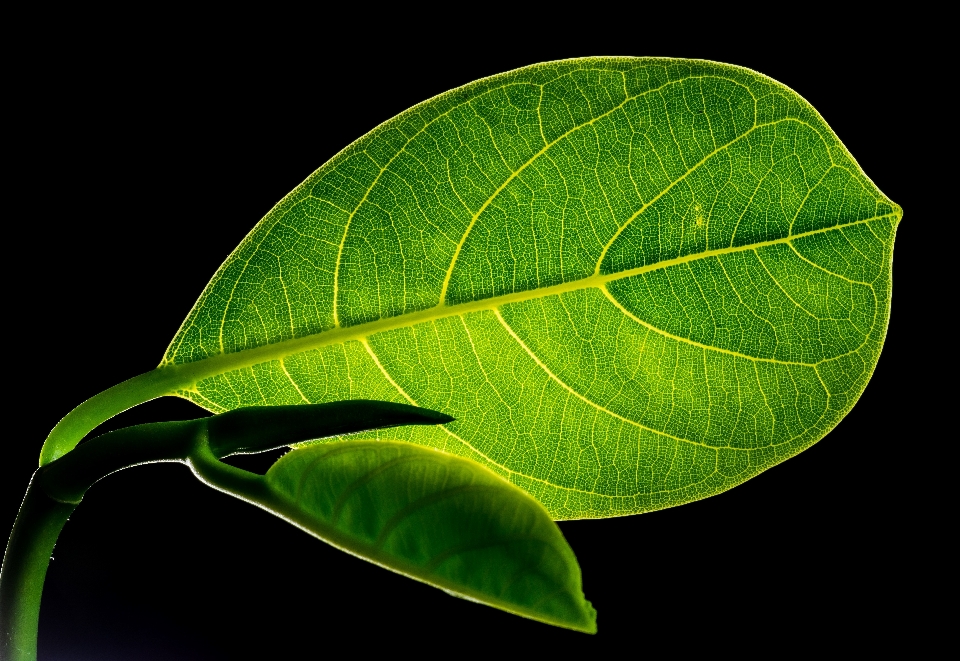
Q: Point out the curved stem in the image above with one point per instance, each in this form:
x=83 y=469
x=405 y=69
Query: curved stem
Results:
x=66 y=473
x=236 y=482
x=25 y=563
x=99 y=408
x=54 y=492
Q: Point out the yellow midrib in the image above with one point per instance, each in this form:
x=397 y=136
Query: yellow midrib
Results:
x=188 y=374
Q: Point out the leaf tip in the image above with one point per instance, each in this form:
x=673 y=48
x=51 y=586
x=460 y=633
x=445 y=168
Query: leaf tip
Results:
x=591 y=627
x=435 y=417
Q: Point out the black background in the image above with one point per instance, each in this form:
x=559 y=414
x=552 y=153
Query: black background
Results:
x=139 y=163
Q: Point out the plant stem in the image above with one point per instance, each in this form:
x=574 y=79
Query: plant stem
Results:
x=99 y=408
x=66 y=473
x=54 y=492
x=39 y=522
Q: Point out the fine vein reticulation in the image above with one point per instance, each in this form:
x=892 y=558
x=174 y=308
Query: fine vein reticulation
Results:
x=634 y=282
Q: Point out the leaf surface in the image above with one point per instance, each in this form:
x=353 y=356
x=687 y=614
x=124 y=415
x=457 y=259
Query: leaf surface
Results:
x=634 y=282
x=438 y=518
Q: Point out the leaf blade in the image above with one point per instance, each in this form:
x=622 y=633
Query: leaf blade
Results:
x=440 y=519
x=715 y=334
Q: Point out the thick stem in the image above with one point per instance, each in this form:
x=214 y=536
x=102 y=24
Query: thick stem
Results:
x=25 y=563
x=60 y=483
x=54 y=492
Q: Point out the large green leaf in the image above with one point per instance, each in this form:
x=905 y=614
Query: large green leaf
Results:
x=634 y=282
x=438 y=518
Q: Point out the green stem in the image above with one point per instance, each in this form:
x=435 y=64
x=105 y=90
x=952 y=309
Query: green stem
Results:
x=25 y=563
x=54 y=492
x=236 y=482
x=100 y=408
x=58 y=487
x=60 y=483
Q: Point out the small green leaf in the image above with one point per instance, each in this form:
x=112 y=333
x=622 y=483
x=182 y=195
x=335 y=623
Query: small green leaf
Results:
x=439 y=518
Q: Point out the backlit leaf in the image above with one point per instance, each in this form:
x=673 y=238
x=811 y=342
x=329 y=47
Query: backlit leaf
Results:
x=438 y=518
x=634 y=282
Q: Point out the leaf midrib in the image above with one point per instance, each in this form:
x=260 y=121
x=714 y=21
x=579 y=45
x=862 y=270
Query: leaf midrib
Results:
x=185 y=375
x=514 y=173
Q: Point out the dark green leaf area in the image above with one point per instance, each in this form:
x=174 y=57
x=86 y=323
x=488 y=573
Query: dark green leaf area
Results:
x=442 y=519
x=260 y=428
